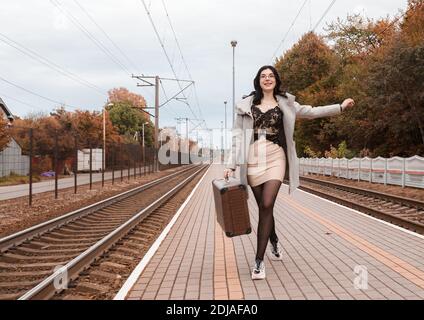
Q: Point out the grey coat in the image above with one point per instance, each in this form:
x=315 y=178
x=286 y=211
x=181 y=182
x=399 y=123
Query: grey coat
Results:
x=243 y=133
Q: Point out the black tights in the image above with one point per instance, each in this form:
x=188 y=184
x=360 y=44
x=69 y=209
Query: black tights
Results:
x=265 y=196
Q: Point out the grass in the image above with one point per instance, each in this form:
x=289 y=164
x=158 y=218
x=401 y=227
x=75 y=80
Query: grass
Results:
x=14 y=179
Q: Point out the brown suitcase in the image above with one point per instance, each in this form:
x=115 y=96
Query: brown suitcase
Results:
x=231 y=206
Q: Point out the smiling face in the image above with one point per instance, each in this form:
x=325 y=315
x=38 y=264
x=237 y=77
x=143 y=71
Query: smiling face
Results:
x=267 y=80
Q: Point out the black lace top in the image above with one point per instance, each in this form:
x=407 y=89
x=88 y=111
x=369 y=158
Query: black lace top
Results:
x=269 y=122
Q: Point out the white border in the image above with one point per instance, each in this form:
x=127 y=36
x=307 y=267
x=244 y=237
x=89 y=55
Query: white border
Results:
x=132 y=279
x=368 y=216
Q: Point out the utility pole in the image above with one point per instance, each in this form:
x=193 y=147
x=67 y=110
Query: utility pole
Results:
x=187 y=135
x=222 y=140
x=186 y=126
x=104 y=147
x=234 y=44
x=104 y=143
x=144 y=149
x=156 y=164
x=147 y=83
x=225 y=104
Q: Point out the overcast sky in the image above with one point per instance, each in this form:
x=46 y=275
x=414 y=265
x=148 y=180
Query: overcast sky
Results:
x=61 y=31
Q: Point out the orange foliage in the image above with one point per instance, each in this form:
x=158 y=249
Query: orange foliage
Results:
x=123 y=95
x=413 y=24
x=4 y=133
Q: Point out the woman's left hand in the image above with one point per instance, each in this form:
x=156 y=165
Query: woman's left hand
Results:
x=348 y=103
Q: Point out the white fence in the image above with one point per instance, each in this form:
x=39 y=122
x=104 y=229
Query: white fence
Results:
x=397 y=171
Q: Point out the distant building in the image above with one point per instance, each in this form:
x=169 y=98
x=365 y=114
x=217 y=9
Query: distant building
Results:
x=11 y=158
x=5 y=112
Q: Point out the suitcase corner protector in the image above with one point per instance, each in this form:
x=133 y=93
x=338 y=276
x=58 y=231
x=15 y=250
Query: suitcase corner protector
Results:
x=223 y=190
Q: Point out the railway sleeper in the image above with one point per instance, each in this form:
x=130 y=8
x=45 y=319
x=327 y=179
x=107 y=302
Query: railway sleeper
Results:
x=91 y=287
x=122 y=258
x=12 y=257
x=46 y=250
x=102 y=275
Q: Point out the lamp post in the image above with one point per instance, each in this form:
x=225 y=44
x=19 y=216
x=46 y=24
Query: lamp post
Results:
x=225 y=106
x=104 y=143
x=222 y=139
x=142 y=144
x=234 y=44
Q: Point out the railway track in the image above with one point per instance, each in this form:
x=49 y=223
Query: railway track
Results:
x=41 y=261
x=404 y=212
x=106 y=276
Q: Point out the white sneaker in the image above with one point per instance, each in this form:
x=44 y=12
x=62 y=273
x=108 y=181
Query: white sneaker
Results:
x=258 y=272
x=276 y=252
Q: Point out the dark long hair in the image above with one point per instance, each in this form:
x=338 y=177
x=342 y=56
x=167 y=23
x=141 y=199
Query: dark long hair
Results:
x=258 y=93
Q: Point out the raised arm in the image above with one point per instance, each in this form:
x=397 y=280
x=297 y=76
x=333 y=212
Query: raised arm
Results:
x=308 y=112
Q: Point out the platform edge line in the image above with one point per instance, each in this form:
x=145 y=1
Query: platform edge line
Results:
x=368 y=216
x=132 y=279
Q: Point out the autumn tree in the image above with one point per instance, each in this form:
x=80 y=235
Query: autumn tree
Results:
x=118 y=95
x=412 y=25
x=396 y=89
x=307 y=62
x=127 y=115
x=309 y=71
x=4 y=133
x=357 y=42
x=20 y=132
x=85 y=127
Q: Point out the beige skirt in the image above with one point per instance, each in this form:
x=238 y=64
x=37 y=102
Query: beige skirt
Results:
x=266 y=161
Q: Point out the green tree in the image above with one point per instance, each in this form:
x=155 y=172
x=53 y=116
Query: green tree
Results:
x=125 y=118
x=127 y=115
x=340 y=152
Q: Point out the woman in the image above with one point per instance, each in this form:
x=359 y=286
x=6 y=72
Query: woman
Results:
x=265 y=120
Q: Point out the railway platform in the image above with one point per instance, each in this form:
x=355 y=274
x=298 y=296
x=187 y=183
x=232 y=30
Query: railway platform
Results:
x=330 y=252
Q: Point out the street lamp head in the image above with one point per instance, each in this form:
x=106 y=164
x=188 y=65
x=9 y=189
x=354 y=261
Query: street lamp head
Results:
x=225 y=102
x=233 y=43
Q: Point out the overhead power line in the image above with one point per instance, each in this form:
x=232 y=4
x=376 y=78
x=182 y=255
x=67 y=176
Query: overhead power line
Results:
x=295 y=19
x=17 y=100
x=166 y=53
x=400 y=17
x=39 y=58
x=117 y=47
x=288 y=31
x=36 y=94
x=107 y=36
x=324 y=14
x=89 y=35
x=182 y=56
x=166 y=97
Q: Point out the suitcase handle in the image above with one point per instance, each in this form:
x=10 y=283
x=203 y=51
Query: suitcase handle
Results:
x=227 y=180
